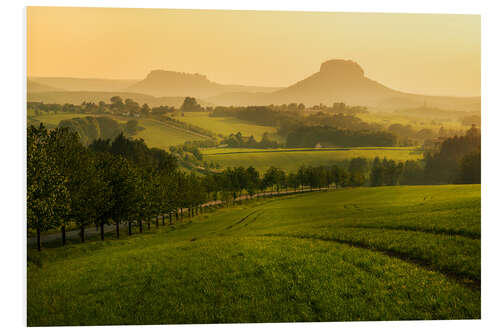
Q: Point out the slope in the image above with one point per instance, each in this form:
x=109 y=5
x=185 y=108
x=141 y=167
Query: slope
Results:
x=84 y=84
x=391 y=253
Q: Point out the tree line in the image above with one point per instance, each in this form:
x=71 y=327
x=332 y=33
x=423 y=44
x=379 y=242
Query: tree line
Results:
x=93 y=128
x=106 y=182
x=117 y=106
x=456 y=160
x=122 y=180
x=239 y=141
x=310 y=136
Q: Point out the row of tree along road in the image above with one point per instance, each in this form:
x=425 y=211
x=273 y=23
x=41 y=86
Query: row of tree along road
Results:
x=112 y=182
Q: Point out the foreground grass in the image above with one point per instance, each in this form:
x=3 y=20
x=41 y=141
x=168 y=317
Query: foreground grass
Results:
x=352 y=254
x=291 y=159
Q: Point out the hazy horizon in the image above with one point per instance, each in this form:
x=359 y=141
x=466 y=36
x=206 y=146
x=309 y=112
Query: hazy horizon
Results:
x=432 y=54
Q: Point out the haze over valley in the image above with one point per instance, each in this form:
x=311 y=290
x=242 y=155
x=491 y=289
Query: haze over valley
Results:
x=337 y=81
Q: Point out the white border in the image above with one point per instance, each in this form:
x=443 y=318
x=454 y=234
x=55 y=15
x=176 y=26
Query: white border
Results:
x=13 y=133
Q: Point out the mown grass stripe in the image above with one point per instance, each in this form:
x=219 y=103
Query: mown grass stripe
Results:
x=241 y=220
x=468 y=280
x=448 y=232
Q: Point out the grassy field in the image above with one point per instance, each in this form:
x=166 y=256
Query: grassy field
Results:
x=160 y=135
x=155 y=133
x=54 y=119
x=225 y=125
x=292 y=159
x=387 y=253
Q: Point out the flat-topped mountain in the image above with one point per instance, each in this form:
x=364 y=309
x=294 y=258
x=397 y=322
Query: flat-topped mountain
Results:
x=170 y=83
x=337 y=80
x=345 y=81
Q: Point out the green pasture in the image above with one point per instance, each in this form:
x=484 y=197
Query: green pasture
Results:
x=155 y=133
x=225 y=125
x=54 y=119
x=291 y=159
x=388 y=253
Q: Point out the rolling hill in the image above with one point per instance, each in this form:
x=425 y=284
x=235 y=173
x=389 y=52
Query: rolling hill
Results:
x=83 y=84
x=387 y=253
x=225 y=125
x=36 y=87
x=77 y=97
x=170 y=83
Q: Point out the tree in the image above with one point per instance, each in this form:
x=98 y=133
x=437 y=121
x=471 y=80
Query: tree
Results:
x=190 y=105
x=470 y=169
x=253 y=180
x=443 y=164
x=342 y=177
x=302 y=177
x=144 y=197
x=131 y=127
x=48 y=200
x=358 y=165
x=93 y=200
x=90 y=194
x=132 y=107
x=357 y=179
x=391 y=172
x=280 y=179
x=377 y=173
x=145 y=110
x=241 y=179
x=292 y=180
x=121 y=179
x=117 y=103
x=413 y=173
x=270 y=178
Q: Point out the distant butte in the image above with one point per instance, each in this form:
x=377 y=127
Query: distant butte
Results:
x=342 y=68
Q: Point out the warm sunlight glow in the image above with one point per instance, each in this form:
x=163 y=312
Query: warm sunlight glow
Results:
x=418 y=53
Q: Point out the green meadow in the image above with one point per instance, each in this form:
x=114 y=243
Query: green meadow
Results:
x=291 y=159
x=385 y=253
x=225 y=125
x=54 y=119
x=155 y=133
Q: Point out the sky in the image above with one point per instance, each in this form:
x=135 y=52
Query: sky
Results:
x=434 y=54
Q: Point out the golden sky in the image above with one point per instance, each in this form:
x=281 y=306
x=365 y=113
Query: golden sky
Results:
x=421 y=53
